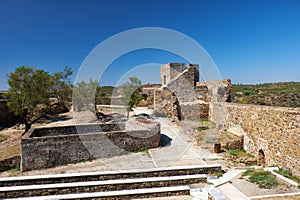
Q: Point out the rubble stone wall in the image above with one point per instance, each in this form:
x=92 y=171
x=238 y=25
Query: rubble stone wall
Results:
x=275 y=131
x=42 y=149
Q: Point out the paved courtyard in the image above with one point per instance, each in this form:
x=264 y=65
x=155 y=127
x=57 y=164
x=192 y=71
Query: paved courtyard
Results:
x=178 y=149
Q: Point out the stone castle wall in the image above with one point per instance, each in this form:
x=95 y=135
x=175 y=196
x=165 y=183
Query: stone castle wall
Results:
x=49 y=147
x=275 y=131
x=182 y=96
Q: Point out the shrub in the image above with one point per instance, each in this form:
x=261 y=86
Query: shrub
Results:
x=288 y=174
x=264 y=179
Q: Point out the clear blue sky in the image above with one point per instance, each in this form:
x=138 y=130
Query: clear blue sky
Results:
x=250 y=41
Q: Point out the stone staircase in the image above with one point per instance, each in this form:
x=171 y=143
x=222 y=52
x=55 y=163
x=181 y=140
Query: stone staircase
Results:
x=125 y=184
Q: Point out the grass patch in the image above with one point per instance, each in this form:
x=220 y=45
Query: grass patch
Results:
x=239 y=153
x=248 y=172
x=219 y=174
x=143 y=150
x=14 y=171
x=264 y=179
x=206 y=123
x=16 y=167
x=288 y=174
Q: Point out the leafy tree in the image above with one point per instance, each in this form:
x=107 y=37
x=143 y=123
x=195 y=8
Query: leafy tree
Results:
x=131 y=93
x=62 y=87
x=84 y=95
x=30 y=90
x=103 y=95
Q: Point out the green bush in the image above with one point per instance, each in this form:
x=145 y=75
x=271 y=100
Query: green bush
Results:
x=264 y=179
x=288 y=174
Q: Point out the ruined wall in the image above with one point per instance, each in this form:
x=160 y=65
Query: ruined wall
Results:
x=69 y=144
x=149 y=90
x=273 y=130
x=219 y=90
x=185 y=97
x=166 y=103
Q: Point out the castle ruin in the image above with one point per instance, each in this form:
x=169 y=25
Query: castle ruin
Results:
x=270 y=133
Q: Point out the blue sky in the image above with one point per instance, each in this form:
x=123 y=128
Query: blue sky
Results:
x=250 y=41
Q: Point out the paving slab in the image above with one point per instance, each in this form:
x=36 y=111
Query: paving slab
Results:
x=181 y=150
x=232 y=192
x=228 y=176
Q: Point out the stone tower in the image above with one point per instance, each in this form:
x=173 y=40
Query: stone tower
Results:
x=171 y=71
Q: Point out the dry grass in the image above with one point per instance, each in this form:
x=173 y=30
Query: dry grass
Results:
x=10 y=142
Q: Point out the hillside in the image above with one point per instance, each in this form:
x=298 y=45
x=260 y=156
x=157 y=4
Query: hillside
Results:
x=286 y=94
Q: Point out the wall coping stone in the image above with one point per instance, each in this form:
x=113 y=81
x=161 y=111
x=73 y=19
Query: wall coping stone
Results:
x=107 y=172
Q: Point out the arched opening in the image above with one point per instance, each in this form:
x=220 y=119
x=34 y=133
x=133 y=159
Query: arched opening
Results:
x=261 y=158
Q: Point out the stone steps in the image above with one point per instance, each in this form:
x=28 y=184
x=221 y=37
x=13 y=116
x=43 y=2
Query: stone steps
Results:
x=123 y=194
x=146 y=181
x=110 y=175
x=100 y=186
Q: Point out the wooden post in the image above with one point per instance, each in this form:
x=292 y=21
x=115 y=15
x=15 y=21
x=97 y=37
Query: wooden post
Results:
x=217 y=148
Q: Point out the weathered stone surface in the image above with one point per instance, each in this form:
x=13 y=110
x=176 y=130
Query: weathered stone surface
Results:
x=101 y=187
x=183 y=96
x=125 y=174
x=269 y=131
x=49 y=147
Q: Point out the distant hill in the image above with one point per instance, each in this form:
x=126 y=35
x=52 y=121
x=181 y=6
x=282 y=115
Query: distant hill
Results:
x=286 y=94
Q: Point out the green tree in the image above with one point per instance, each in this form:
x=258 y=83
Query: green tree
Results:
x=131 y=93
x=62 y=87
x=30 y=90
x=84 y=95
x=103 y=95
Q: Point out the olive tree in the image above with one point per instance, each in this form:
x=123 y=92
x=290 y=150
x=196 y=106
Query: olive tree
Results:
x=131 y=93
x=30 y=90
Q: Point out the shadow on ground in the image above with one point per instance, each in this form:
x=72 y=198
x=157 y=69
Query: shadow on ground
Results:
x=164 y=140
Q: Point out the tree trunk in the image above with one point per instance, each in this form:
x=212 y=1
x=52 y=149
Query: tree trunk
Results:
x=128 y=110
x=27 y=127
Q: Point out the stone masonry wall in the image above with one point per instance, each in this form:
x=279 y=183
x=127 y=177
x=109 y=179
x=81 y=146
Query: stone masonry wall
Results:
x=165 y=103
x=275 y=131
x=69 y=147
x=182 y=96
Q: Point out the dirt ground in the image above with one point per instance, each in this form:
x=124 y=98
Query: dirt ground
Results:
x=10 y=140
